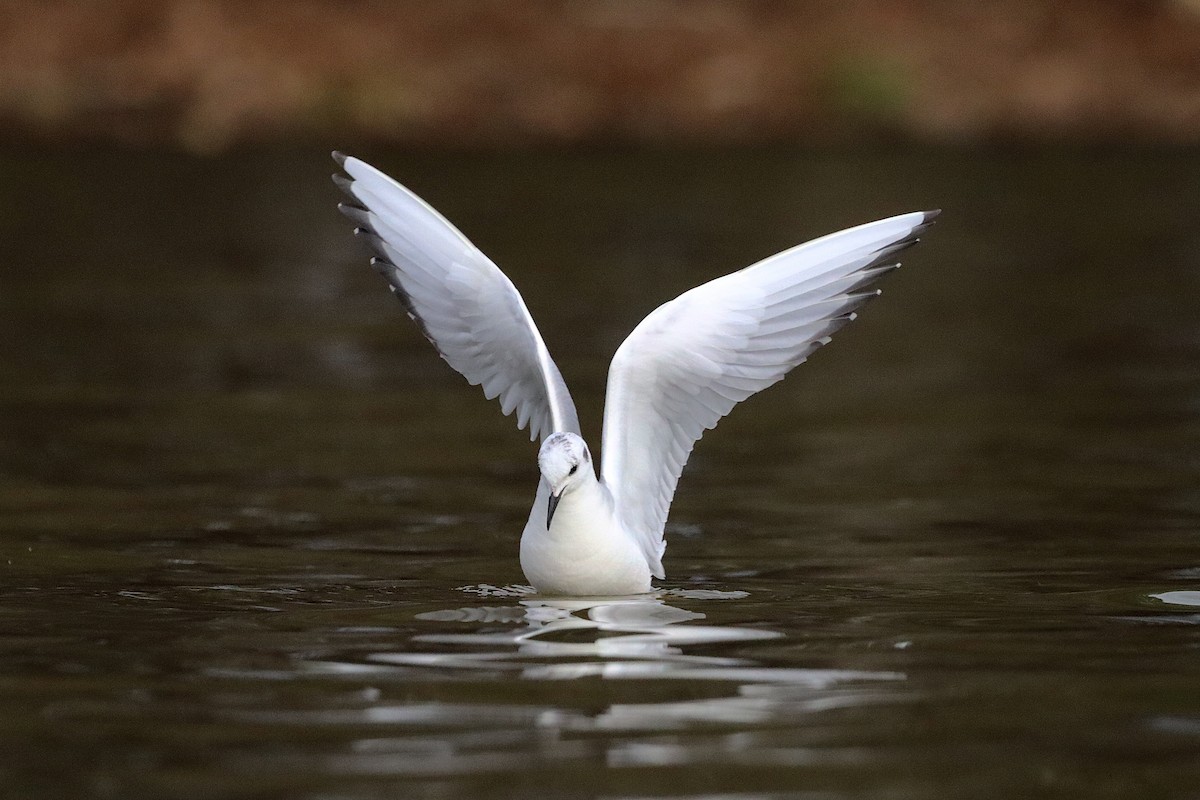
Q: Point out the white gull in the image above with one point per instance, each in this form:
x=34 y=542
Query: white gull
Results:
x=683 y=368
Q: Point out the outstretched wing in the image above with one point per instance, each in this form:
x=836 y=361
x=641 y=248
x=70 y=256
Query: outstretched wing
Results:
x=691 y=360
x=463 y=303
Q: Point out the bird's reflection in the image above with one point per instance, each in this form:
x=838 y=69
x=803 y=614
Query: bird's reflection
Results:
x=628 y=639
x=637 y=637
x=634 y=636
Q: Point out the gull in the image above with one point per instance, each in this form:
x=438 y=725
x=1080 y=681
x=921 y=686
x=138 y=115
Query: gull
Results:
x=682 y=369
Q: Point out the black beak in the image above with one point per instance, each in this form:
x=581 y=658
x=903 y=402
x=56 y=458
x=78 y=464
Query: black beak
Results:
x=554 y=498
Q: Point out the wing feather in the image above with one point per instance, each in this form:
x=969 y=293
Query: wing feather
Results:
x=693 y=359
x=461 y=301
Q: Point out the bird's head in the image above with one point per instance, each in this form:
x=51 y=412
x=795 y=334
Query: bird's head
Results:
x=565 y=462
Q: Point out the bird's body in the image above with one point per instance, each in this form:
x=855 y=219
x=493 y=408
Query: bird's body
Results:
x=584 y=550
x=682 y=369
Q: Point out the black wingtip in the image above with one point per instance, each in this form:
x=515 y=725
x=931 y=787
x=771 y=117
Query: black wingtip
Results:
x=383 y=267
x=374 y=241
x=339 y=157
x=343 y=183
x=927 y=218
x=356 y=214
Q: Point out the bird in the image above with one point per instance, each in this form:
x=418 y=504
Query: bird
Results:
x=596 y=526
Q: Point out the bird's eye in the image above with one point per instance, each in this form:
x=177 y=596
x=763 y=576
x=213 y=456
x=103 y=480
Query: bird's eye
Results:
x=572 y=472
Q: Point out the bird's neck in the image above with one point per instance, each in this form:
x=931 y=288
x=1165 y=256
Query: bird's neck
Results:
x=586 y=505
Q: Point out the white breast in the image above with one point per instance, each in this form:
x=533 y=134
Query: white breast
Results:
x=585 y=552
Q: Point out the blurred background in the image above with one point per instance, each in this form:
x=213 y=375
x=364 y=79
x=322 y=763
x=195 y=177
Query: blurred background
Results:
x=204 y=76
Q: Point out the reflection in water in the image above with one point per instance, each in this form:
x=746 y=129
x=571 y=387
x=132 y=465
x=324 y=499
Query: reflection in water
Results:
x=631 y=638
x=1179 y=598
x=664 y=706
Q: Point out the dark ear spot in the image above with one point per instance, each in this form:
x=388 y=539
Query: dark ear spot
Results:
x=586 y=455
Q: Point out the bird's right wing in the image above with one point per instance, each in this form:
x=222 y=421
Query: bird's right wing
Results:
x=690 y=361
x=463 y=303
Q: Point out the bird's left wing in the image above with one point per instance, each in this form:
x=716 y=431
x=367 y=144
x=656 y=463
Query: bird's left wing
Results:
x=691 y=360
x=463 y=303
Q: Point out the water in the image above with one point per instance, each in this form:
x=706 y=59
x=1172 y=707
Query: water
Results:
x=257 y=541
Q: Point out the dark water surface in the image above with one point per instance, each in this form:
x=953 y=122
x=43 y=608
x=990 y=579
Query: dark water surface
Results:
x=257 y=541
